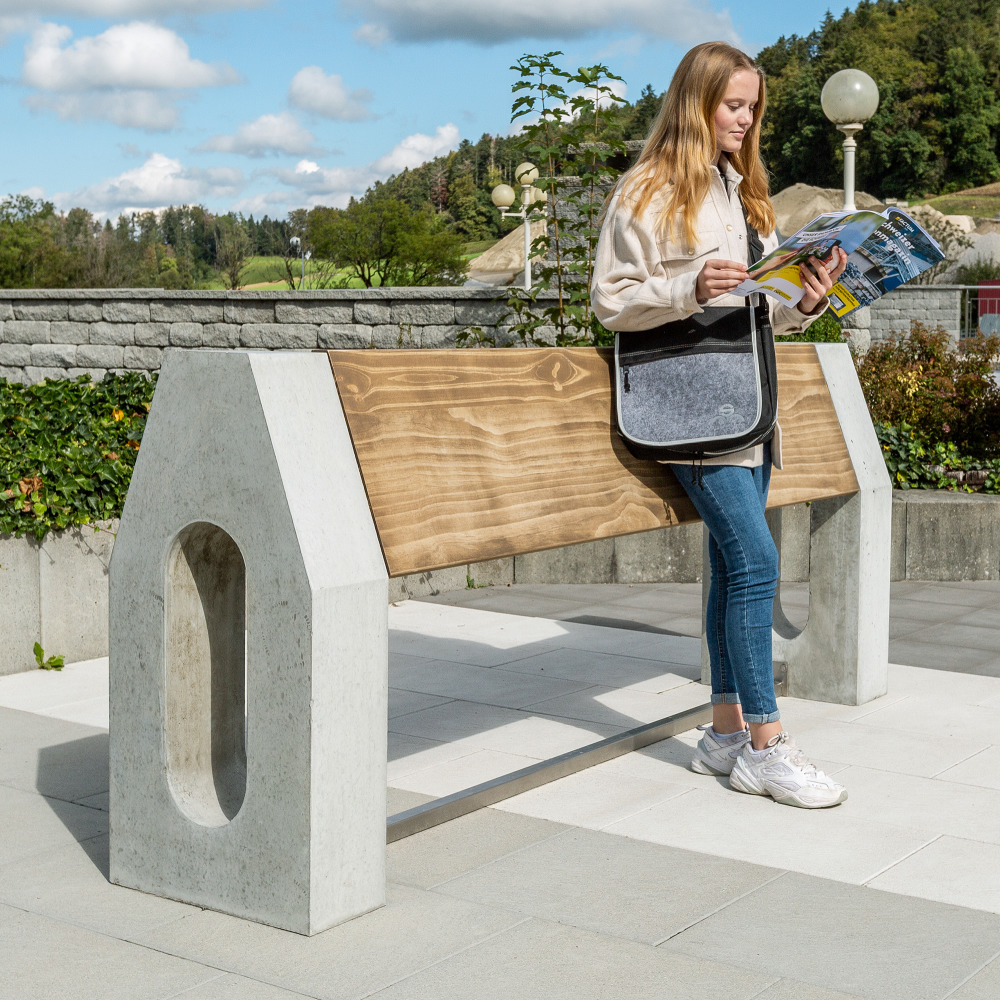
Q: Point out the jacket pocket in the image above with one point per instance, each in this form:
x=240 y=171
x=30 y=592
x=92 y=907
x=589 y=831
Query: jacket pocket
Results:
x=676 y=252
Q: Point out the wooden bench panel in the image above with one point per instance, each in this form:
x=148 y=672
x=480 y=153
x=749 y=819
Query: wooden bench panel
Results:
x=470 y=455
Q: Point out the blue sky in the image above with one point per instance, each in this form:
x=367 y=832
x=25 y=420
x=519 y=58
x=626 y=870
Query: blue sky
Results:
x=262 y=106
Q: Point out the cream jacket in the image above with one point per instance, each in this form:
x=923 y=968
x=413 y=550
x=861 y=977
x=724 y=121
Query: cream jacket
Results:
x=643 y=279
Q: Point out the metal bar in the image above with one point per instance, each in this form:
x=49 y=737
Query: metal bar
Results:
x=450 y=807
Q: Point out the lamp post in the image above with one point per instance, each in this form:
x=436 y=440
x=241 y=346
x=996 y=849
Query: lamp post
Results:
x=296 y=244
x=849 y=99
x=525 y=175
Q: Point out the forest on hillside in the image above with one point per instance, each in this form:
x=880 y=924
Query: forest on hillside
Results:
x=936 y=62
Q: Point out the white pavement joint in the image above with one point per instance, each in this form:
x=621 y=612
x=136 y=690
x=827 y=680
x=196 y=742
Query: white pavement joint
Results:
x=899 y=861
x=718 y=909
x=459 y=951
x=971 y=975
x=760 y=993
x=962 y=761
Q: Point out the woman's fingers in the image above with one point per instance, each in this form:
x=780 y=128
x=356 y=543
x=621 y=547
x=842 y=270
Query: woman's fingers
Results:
x=718 y=277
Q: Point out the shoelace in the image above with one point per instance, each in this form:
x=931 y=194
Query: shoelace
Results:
x=787 y=748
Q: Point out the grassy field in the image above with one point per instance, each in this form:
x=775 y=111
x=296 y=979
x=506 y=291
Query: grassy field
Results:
x=981 y=202
x=269 y=272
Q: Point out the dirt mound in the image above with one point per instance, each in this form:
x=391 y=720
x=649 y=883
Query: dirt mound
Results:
x=796 y=205
x=503 y=260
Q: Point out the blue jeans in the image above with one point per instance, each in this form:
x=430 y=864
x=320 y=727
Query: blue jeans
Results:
x=744 y=561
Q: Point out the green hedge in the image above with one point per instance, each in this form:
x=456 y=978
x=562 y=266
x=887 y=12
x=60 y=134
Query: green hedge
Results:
x=67 y=449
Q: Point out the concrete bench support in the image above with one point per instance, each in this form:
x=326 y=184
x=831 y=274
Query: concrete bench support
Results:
x=842 y=654
x=248 y=622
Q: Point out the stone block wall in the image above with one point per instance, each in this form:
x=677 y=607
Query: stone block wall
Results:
x=64 y=333
x=933 y=305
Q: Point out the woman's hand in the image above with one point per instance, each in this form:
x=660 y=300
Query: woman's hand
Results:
x=818 y=279
x=718 y=277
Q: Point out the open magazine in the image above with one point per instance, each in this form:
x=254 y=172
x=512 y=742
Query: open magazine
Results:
x=884 y=250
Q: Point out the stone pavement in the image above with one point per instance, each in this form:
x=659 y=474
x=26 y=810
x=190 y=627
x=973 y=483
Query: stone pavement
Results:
x=634 y=879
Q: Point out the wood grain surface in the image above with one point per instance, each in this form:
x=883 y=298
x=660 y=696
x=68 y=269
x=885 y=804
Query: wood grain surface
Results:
x=470 y=455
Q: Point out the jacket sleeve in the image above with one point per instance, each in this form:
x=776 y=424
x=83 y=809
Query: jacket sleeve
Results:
x=631 y=289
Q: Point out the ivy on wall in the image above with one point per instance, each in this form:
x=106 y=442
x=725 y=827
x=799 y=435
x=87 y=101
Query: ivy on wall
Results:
x=67 y=449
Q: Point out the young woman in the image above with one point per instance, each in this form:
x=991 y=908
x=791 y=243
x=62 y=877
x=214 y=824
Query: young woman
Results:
x=675 y=241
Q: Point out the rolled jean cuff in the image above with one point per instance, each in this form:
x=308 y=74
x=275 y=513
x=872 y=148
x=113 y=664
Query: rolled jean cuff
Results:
x=726 y=698
x=759 y=719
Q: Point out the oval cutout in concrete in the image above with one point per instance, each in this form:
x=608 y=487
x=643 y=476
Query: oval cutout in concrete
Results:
x=205 y=726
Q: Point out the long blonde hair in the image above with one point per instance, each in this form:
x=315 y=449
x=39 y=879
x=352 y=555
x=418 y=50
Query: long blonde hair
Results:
x=681 y=147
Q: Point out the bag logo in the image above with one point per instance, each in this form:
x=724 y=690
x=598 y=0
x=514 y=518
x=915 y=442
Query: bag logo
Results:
x=727 y=410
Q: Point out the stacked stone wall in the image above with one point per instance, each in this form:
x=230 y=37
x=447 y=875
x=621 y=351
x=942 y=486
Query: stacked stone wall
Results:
x=64 y=333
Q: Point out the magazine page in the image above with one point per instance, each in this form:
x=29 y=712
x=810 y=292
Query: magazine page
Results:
x=777 y=274
x=893 y=254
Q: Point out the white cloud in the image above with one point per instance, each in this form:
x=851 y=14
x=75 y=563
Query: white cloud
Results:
x=335 y=186
x=145 y=109
x=125 y=8
x=312 y=90
x=683 y=21
x=373 y=35
x=137 y=55
x=417 y=149
x=267 y=135
x=159 y=182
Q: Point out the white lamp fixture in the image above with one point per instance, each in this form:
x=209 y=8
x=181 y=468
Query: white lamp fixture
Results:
x=296 y=245
x=525 y=175
x=849 y=99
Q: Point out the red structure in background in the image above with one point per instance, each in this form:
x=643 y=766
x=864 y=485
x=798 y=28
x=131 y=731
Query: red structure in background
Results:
x=989 y=297
x=988 y=306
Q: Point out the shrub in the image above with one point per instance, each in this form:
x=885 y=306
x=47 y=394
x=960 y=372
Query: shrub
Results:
x=825 y=330
x=941 y=394
x=67 y=449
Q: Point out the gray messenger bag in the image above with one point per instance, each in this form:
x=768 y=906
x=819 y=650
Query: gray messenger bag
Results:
x=701 y=387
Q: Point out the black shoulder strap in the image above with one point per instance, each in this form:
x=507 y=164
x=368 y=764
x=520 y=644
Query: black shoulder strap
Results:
x=755 y=246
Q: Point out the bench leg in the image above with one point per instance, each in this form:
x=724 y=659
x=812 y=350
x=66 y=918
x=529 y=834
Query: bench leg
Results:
x=248 y=650
x=842 y=653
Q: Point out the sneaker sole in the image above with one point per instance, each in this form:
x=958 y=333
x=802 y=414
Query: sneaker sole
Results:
x=703 y=767
x=738 y=783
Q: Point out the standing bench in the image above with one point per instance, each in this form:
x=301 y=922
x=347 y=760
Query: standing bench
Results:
x=273 y=497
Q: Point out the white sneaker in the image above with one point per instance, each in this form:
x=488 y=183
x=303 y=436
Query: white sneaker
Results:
x=715 y=756
x=782 y=771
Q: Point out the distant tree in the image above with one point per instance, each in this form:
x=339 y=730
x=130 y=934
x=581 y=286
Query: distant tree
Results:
x=382 y=241
x=970 y=116
x=232 y=250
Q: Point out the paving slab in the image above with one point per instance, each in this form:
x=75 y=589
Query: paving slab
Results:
x=416 y=929
x=592 y=799
x=927 y=806
x=792 y=989
x=594 y=667
x=463 y=772
x=544 y=961
x=70 y=883
x=405 y=702
x=229 y=987
x=467 y=843
x=34 y=825
x=958 y=870
x=492 y=728
x=983 y=985
x=982 y=769
x=892 y=736
x=624 y=707
x=489 y=685
x=612 y=885
x=45 y=958
x=847 y=938
x=840 y=843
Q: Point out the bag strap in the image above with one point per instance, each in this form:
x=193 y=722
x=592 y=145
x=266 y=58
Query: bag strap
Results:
x=755 y=245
